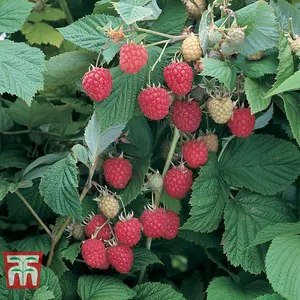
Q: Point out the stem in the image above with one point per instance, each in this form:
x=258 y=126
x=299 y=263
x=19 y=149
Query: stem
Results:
x=143 y=271
x=64 y=6
x=34 y=213
x=15 y=132
x=224 y=147
x=292 y=33
x=101 y=51
x=157 y=43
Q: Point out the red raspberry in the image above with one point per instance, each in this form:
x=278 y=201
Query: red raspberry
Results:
x=195 y=153
x=153 y=222
x=132 y=58
x=242 y=122
x=154 y=103
x=172 y=225
x=97 y=83
x=117 y=172
x=186 y=115
x=179 y=77
x=95 y=223
x=121 y=258
x=178 y=181
x=94 y=254
x=128 y=232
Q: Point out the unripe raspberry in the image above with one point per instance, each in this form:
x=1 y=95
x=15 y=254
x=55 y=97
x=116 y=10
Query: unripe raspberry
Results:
x=172 y=225
x=93 y=225
x=220 y=109
x=215 y=55
x=109 y=206
x=179 y=77
x=295 y=45
x=186 y=115
x=211 y=141
x=256 y=56
x=178 y=181
x=242 y=122
x=76 y=231
x=155 y=182
x=194 y=11
x=227 y=49
x=94 y=254
x=214 y=37
x=153 y=222
x=195 y=153
x=97 y=83
x=235 y=35
x=199 y=66
x=120 y=257
x=154 y=103
x=117 y=172
x=191 y=49
x=133 y=58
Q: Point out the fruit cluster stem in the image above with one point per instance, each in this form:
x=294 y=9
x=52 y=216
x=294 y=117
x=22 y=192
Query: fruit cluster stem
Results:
x=64 y=6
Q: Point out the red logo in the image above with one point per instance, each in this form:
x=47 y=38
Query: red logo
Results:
x=23 y=269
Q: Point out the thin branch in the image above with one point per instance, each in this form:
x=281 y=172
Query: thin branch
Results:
x=64 y=6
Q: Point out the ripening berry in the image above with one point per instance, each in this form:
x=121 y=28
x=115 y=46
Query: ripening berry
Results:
x=76 y=231
x=172 y=225
x=153 y=222
x=155 y=182
x=195 y=153
x=191 y=49
x=220 y=109
x=195 y=12
x=211 y=141
x=295 y=45
x=235 y=36
x=120 y=257
x=96 y=222
x=256 y=56
x=214 y=37
x=109 y=206
x=128 y=232
x=215 y=55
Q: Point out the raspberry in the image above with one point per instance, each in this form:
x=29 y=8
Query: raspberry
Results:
x=178 y=181
x=211 y=141
x=295 y=45
x=172 y=225
x=195 y=153
x=154 y=103
x=76 y=231
x=227 y=49
x=194 y=11
x=179 y=77
x=155 y=182
x=220 y=109
x=242 y=122
x=132 y=58
x=235 y=36
x=215 y=55
x=117 y=172
x=191 y=49
x=94 y=254
x=128 y=232
x=121 y=258
x=257 y=56
x=186 y=115
x=97 y=83
x=153 y=222
x=214 y=37
x=109 y=206
x=95 y=223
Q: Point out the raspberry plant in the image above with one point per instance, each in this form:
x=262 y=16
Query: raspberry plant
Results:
x=150 y=148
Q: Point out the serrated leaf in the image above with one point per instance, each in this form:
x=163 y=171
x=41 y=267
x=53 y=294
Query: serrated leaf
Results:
x=58 y=265
x=143 y=258
x=264 y=120
x=67 y=68
x=59 y=188
x=282 y=265
x=81 y=154
x=270 y=232
x=6 y=121
x=43 y=293
x=261 y=163
x=14 y=294
x=21 y=68
x=110 y=51
x=256 y=91
x=48 y=14
x=33 y=243
x=71 y=252
x=7 y=187
x=156 y=290
x=225 y=288
x=4 y=247
x=209 y=196
x=68 y=284
x=221 y=70
x=192 y=287
x=204 y=30
x=103 y=287
x=97 y=139
x=270 y=297
x=13 y=159
x=50 y=280
x=244 y=217
x=13 y=14
x=170 y=203
x=42 y=33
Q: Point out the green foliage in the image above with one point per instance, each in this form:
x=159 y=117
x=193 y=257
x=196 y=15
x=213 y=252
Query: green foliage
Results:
x=43 y=293
x=143 y=258
x=32 y=243
x=50 y=280
x=71 y=252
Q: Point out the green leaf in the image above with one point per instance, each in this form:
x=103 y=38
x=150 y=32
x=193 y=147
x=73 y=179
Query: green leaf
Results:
x=13 y=14
x=67 y=68
x=71 y=252
x=7 y=187
x=244 y=217
x=261 y=163
x=143 y=258
x=68 y=284
x=6 y=121
x=88 y=32
x=270 y=232
x=264 y=119
x=81 y=154
x=156 y=290
x=270 y=297
x=225 y=288
x=103 y=287
x=59 y=188
x=4 y=247
x=79 y=106
x=221 y=70
x=21 y=68
x=50 y=280
x=256 y=91
x=11 y=294
x=170 y=203
x=292 y=110
x=13 y=159
x=48 y=14
x=33 y=243
x=58 y=266
x=98 y=140
x=192 y=287
x=110 y=51
x=43 y=293
x=282 y=265
x=209 y=196
x=171 y=21
x=132 y=11
x=204 y=30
